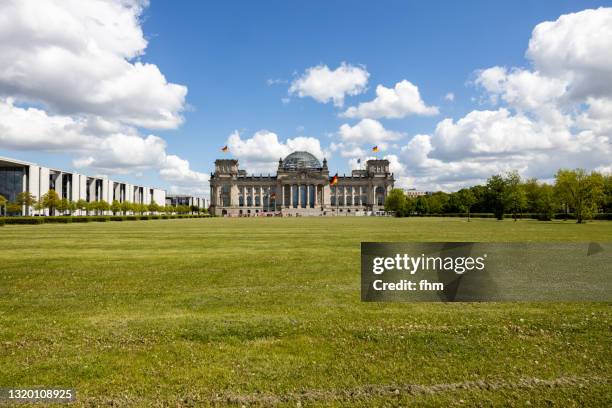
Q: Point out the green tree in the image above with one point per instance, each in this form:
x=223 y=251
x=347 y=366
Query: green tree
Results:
x=2 y=205
x=126 y=207
x=27 y=199
x=532 y=194
x=82 y=205
x=50 y=200
x=580 y=191
x=72 y=207
x=115 y=207
x=91 y=207
x=540 y=199
x=607 y=201
x=103 y=206
x=496 y=188
x=63 y=205
x=153 y=207
x=437 y=202
x=396 y=202
x=39 y=207
x=13 y=208
x=546 y=202
x=466 y=199
x=421 y=205
x=514 y=194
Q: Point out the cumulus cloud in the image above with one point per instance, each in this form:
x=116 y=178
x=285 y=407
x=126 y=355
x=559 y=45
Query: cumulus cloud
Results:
x=553 y=114
x=325 y=85
x=449 y=97
x=99 y=146
x=368 y=131
x=348 y=150
x=402 y=100
x=72 y=80
x=78 y=57
x=576 y=47
x=260 y=153
x=184 y=180
x=520 y=88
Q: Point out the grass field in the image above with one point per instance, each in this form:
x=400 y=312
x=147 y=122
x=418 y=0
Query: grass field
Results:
x=268 y=312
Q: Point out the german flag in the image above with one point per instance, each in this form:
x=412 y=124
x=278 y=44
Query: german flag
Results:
x=225 y=149
x=334 y=180
x=375 y=149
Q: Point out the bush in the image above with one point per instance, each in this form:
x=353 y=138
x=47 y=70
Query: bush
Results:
x=25 y=220
x=99 y=218
x=104 y=218
x=603 y=217
x=453 y=215
x=58 y=220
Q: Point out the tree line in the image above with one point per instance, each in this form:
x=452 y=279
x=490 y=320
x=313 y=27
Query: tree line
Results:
x=52 y=202
x=578 y=192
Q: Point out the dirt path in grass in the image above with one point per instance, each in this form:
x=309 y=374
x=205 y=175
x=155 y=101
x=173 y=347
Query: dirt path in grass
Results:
x=370 y=391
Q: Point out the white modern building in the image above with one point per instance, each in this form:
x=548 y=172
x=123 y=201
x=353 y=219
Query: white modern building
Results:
x=188 y=200
x=18 y=176
x=414 y=193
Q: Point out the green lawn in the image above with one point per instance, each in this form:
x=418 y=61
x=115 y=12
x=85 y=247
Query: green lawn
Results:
x=267 y=311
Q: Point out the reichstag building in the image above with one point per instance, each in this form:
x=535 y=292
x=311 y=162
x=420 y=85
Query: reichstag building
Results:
x=301 y=187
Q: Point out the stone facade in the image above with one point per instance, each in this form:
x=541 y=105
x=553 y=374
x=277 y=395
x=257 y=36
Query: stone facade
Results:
x=301 y=187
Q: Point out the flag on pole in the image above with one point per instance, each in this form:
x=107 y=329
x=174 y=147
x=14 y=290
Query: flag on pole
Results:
x=358 y=161
x=375 y=149
x=334 y=180
x=225 y=149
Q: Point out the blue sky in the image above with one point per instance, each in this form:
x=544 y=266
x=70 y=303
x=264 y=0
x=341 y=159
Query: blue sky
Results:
x=224 y=53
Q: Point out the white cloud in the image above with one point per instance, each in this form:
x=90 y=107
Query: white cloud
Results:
x=348 y=150
x=325 y=85
x=520 y=88
x=449 y=97
x=368 y=131
x=493 y=133
x=71 y=80
x=99 y=146
x=78 y=57
x=184 y=180
x=576 y=47
x=555 y=114
x=402 y=100
x=261 y=152
x=34 y=129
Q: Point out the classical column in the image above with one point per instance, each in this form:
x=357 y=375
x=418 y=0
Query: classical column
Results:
x=316 y=195
x=260 y=196
x=311 y=195
x=373 y=195
x=299 y=190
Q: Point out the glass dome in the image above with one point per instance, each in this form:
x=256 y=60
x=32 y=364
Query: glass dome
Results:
x=301 y=160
